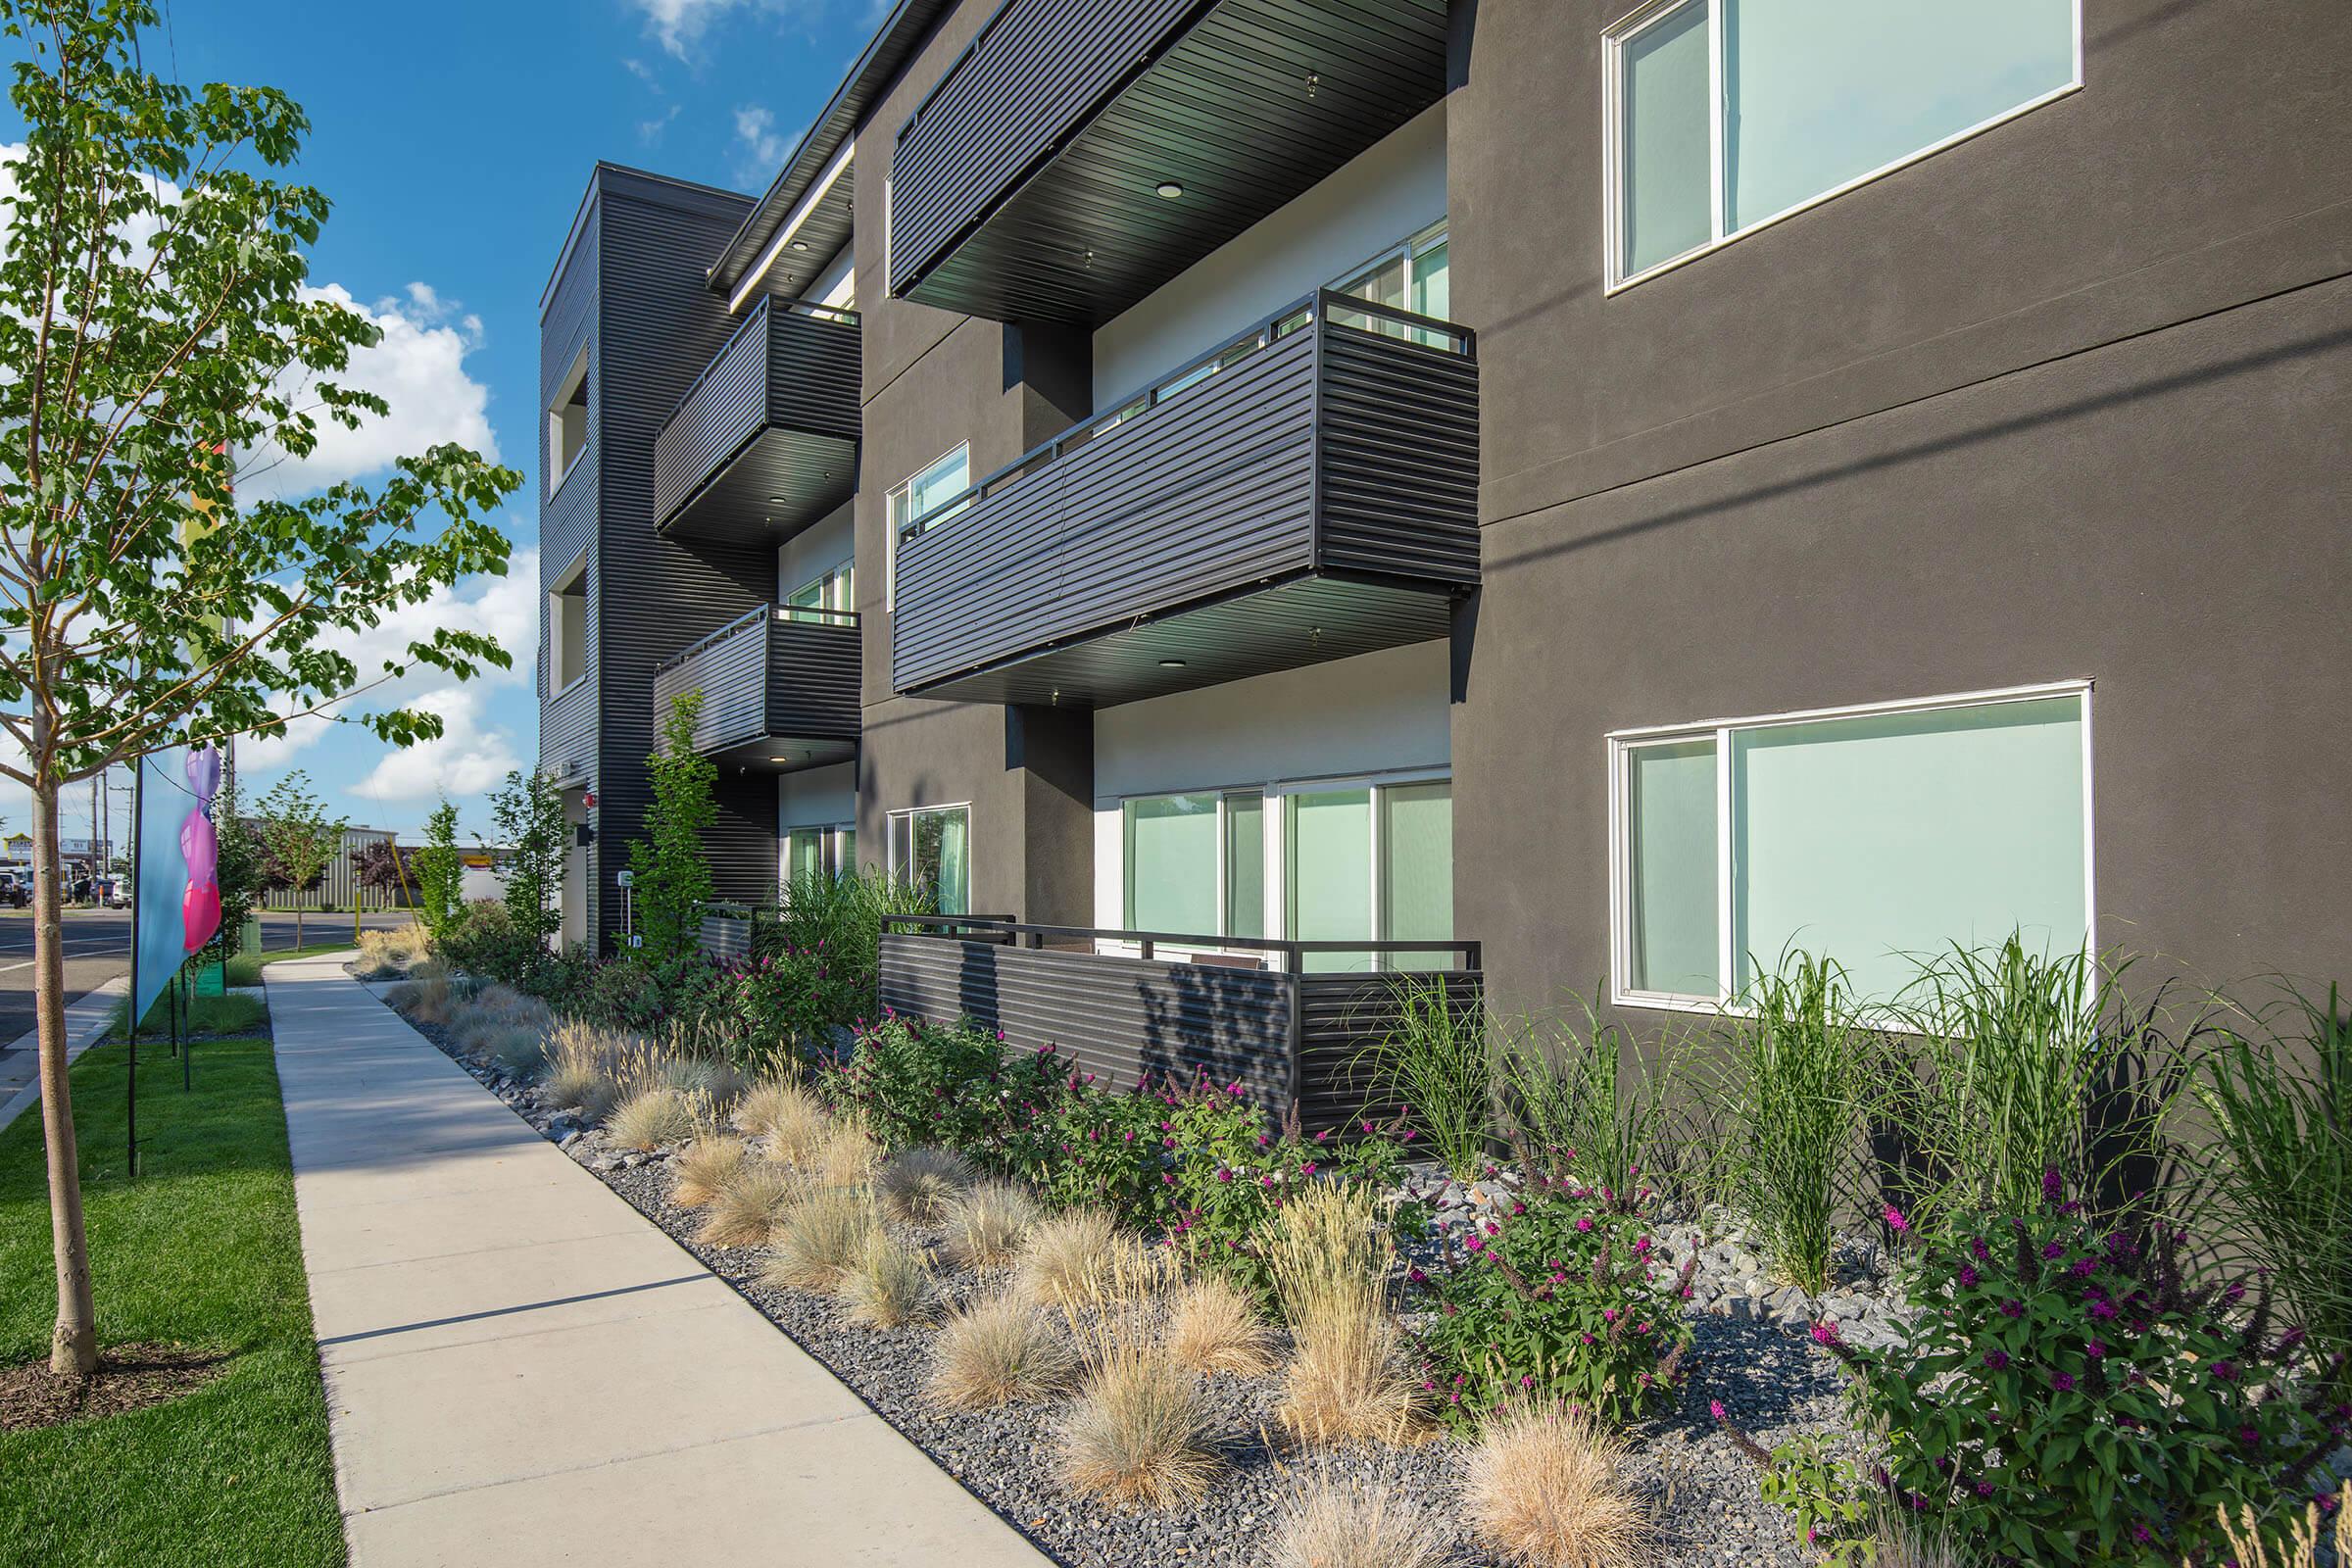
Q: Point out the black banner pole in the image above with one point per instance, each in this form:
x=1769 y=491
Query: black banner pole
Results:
x=131 y=1002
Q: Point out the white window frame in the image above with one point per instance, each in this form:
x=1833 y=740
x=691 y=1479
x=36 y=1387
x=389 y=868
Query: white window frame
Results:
x=1621 y=744
x=1613 y=40
x=897 y=496
x=890 y=838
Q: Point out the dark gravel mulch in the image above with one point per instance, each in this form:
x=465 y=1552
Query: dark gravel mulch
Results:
x=130 y=1377
x=1770 y=1378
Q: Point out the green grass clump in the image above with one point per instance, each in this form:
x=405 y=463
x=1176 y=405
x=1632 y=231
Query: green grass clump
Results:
x=202 y=1250
x=1796 y=1057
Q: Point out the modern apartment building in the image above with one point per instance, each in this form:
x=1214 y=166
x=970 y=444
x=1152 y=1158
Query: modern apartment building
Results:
x=1626 y=491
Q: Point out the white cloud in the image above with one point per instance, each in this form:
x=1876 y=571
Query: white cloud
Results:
x=466 y=759
x=759 y=147
x=679 y=25
x=418 y=367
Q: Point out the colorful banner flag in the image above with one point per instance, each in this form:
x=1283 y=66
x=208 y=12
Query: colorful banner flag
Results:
x=177 y=906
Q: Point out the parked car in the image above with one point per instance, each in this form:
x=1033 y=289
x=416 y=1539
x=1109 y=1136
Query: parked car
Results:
x=15 y=892
x=117 y=895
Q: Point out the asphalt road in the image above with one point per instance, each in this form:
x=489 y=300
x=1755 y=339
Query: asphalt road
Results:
x=98 y=948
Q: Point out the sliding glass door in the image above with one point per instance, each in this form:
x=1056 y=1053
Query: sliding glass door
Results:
x=1370 y=863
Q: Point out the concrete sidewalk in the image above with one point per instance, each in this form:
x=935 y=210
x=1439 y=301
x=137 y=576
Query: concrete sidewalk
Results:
x=86 y=1019
x=520 y=1369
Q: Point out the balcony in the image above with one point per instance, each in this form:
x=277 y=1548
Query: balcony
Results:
x=1307 y=491
x=765 y=440
x=779 y=689
x=1028 y=185
x=1260 y=1016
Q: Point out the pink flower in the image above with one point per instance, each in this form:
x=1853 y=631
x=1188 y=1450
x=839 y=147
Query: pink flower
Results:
x=1584 y=1222
x=1896 y=1221
x=1715 y=1409
x=1223 y=1174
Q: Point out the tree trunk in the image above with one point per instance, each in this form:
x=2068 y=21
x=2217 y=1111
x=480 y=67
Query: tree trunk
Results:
x=73 y=1347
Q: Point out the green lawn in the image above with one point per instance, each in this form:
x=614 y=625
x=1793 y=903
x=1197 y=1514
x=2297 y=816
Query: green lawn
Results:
x=203 y=1249
x=245 y=969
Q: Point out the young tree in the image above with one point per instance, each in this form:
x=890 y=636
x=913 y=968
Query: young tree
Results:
x=155 y=328
x=528 y=810
x=298 y=837
x=672 y=875
x=439 y=870
x=379 y=865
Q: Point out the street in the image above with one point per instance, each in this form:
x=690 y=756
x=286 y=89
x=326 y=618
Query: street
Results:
x=98 y=948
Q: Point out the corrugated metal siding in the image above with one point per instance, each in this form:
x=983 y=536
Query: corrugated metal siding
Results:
x=731 y=673
x=1038 y=69
x=815 y=373
x=1397 y=439
x=1207 y=493
x=813 y=672
x=1115 y=1017
x=727 y=937
x=1341 y=1016
x=726 y=407
x=634 y=290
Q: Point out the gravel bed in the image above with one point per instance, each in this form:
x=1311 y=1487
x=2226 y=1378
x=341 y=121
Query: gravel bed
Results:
x=1753 y=1349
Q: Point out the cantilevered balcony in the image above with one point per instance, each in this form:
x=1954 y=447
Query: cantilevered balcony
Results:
x=765 y=440
x=779 y=689
x=1080 y=153
x=1309 y=491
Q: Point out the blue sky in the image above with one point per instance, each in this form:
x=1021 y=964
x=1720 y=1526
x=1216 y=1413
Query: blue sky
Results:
x=455 y=140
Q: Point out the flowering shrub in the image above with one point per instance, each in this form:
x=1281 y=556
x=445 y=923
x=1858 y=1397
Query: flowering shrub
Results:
x=1104 y=1150
x=1561 y=1298
x=782 y=1002
x=2065 y=1397
x=950 y=1086
x=1824 y=1493
x=1229 y=1174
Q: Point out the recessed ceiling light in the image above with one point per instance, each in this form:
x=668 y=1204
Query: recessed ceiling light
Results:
x=1170 y=189
x=799 y=244
x=779 y=759
x=776 y=500
x=1171 y=663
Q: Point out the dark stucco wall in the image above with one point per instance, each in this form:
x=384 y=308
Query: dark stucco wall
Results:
x=2070 y=399
x=933 y=379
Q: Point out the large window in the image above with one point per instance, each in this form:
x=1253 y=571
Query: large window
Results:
x=916 y=499
x=1725 y=114
x=1370 y=863
x=931 y=849
x=1870 y=835
x=819 y=851
x=824 y=595
x=1415 y=276
x=1195 y=864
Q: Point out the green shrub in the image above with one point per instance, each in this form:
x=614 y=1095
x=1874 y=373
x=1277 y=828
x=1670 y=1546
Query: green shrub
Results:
x=838 y=921
x=2065 y=1397
x=483 y=941
x=950 y=1086
x=1106 y=1151
x=1563 y=1299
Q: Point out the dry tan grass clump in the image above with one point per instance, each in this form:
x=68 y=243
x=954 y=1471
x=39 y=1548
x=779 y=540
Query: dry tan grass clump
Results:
x=750 y=1203
x=1349 y=1380
x=988 y=1222
x=1080 y=1258
x=889 y=1285
x=919 y=1185
x=1214 y=1328
x=771 y=1102
x=1334 y=1525
x=384 y=954
x=999 y=1350
x=652 y=1119
x=429 y=999
x=704 y=1166
x=591 y=1067
x=797 y=1125
x=2293 y=1544
x=1139 y=1431
x=821 y=1240
x=1544 y=1489
x=711 y=1083
x=847 y=1156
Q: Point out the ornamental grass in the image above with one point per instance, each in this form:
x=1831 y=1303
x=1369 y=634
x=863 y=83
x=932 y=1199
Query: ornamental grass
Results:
x=919 y=1185
x=749 y=1203
x=821 y=1240
x=1139 y=1431
x=651 y=1119
x=704 y=1166
x=1337 y=1524
x=987 y=1223
x=999 y=1350
x=1349 y=1380
x=1212 y=1327
x=1544 y=1489
x=889 y=1285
